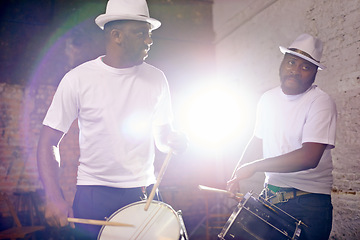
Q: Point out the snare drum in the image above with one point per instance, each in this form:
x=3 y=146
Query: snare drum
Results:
x=256 y=219
x=160 y=221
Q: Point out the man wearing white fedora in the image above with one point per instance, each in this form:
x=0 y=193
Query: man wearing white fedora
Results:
x=295 y=129
x=123 y=107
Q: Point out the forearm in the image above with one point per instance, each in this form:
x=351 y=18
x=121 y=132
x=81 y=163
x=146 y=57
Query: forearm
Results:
x=301 y=159
x=48 y=164
x=253 y=150
x=56 y=208
x=49 y=171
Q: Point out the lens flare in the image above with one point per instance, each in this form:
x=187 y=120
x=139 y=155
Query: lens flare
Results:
x=214 y=116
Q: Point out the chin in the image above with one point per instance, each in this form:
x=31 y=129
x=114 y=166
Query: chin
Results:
x=289 y=91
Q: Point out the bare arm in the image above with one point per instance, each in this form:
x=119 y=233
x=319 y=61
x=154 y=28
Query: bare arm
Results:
x=307 y=157
x=253 y=150
x=56 y=208
x=166 y=138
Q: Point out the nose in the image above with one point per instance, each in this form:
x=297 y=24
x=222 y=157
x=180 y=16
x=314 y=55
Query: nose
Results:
x=295 y=69
x=148 y=40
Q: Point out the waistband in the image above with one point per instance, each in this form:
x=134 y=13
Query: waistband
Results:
x=280 y=189
x=275 y=194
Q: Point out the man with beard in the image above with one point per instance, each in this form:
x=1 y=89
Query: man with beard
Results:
x=295 y=130
x=123 y=106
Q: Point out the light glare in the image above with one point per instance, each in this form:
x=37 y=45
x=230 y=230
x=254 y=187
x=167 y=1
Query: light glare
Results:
x=214 y=116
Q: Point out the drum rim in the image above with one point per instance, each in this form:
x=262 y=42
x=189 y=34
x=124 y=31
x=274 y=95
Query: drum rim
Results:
x=138 y=203
x=234 y=216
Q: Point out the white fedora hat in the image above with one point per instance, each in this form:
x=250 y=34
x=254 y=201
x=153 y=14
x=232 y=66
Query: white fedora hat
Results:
x=126 y=10
x=306 y=47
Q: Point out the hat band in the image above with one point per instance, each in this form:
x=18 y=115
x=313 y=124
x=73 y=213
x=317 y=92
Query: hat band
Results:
x=303 y=53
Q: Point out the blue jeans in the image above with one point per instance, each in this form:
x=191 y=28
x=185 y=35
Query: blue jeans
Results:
x=315 y=210
x=100 y=202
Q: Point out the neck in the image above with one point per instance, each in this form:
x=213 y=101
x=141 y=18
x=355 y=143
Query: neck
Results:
x=116 y=62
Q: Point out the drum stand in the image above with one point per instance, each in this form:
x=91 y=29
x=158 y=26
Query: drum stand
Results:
x=183 y=232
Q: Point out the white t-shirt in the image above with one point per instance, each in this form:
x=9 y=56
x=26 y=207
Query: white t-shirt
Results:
x=285 y=122
x=116 y=110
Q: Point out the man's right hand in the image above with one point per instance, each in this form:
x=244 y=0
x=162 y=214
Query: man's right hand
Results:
x=57 y=211
x=245 y=171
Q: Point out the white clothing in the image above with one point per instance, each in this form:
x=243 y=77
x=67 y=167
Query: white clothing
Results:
x=285 y=122
x=117 y=110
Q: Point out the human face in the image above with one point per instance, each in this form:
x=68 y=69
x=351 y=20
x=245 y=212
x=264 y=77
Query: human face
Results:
x=296 y=74
x=136 y=42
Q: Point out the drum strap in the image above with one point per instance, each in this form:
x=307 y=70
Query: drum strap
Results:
x=276 y=194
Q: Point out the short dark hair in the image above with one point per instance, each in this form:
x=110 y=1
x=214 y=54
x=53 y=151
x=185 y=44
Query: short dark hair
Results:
x=113 y=25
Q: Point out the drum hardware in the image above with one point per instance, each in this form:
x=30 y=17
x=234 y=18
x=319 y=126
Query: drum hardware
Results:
x=273 y=206
x=98 y=222
x=183 y=228
x=257 y=219
x=283 y=232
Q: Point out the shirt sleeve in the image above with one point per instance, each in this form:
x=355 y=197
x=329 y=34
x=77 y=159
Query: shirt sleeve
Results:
x=64 y=106
x=163 y=112
x=320 y=125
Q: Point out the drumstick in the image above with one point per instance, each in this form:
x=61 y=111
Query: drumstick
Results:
x=201 y=187
x=161 y=174
x=98 y=222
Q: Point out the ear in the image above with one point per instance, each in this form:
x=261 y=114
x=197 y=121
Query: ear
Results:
x=116 y=36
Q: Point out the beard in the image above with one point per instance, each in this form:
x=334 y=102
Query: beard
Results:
x=294 y=85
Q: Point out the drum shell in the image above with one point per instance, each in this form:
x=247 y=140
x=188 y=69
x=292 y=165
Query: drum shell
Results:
x=160 y=221
x=256 y=219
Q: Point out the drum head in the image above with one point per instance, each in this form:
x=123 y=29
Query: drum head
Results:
x=160 y=221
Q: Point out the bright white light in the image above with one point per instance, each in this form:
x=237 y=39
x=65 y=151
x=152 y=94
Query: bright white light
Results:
x=136 y=126
x=214 y=116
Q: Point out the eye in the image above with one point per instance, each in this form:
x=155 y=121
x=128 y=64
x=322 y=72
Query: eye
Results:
x=140 y=34
x=144 y=34
x=291 y=62
x=307 y=67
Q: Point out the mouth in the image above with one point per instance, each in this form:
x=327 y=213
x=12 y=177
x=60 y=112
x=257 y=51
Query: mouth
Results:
x=291 y=79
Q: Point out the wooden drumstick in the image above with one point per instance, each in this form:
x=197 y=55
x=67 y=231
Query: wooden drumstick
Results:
x=98 y=222
x=201 y=187
x=161 y=174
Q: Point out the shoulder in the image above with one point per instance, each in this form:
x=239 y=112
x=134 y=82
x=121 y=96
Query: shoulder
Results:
x=318 y=94
x=148 y=68
x=151 y=73
x=320 y=98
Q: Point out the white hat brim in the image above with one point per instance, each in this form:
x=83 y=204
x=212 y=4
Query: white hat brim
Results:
x=102 y=19
x=286 y=50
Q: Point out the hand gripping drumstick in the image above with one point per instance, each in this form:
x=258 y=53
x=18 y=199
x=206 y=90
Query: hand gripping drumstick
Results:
x=161 y=174
x=98 y=222
x=237 y=195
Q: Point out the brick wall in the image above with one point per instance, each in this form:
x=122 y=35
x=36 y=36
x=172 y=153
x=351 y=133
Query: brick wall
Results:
x=22 y=112
x=247 y=41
